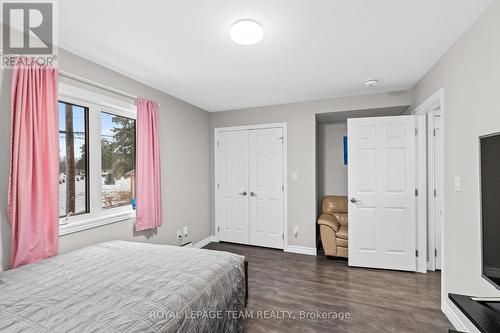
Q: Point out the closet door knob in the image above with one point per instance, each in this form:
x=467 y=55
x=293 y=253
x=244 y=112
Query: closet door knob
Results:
x=252 y=194
x=243 y=193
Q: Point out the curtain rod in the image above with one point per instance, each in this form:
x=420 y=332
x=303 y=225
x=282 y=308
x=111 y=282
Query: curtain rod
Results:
x=96 y=84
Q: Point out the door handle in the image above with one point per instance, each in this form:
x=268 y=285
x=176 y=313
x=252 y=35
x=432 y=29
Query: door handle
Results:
x=253 y=194
x=243 y=193
x=354 y=200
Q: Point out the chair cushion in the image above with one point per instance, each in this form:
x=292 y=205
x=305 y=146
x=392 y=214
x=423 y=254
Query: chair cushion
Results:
x=342 y=242
x=334 y=204
x=342 y=233
x=330 y=221
x=342 y=218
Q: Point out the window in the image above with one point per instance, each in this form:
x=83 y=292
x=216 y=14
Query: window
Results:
x=117 y=160
x=97 y=159
x=73 y=163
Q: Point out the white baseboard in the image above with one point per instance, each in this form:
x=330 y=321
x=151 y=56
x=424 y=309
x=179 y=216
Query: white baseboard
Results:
x=205 y=241
x=454 y=318
x=301 y=250
x=290 y=248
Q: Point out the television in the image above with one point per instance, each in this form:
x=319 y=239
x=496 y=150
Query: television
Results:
x=490 y=207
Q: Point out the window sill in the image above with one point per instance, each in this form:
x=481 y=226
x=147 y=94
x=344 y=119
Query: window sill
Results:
x=95 y=222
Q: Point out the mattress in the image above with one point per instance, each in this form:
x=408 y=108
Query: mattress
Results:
x=126 y=287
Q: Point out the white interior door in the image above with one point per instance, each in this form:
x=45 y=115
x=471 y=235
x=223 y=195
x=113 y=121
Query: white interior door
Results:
x=232 y=214
x=437 y=197
x=266 y=187
x=434 y=168
x=381 y=186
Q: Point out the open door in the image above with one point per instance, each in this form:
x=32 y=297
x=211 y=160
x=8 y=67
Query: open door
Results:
x=381 y=186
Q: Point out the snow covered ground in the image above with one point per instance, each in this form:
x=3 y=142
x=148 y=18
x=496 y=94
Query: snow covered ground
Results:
x=121 y=185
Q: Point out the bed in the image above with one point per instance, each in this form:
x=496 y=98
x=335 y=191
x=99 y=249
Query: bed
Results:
x=126 y=287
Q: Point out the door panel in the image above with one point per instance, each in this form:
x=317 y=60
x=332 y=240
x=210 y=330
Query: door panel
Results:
x=233 y=199
x=368 y=229
x=381 y=177
x=396 y=228
x=265 y=186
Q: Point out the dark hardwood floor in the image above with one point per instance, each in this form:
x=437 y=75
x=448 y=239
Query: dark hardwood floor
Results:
x=377 y=300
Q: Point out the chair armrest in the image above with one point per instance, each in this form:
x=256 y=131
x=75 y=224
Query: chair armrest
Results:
x=329 y=220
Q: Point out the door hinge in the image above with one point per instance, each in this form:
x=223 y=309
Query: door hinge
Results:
x=416 y=253
x=282 y=188
x=218 y=143
x=416 y=131
x=218 y=186
x=218 y=229
x=283 y=235
x=434 y=132
x=435 y=193
x=282 y=139
x=416 y=192
x=435 y=252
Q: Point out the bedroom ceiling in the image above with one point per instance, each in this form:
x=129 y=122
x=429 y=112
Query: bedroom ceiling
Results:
x=312 y=49
x=341 y=117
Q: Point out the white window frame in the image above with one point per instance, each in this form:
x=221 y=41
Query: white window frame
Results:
x=96 y=103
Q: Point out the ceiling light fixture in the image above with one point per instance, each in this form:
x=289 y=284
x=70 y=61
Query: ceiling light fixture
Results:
x=371 y=83
x=246 y=32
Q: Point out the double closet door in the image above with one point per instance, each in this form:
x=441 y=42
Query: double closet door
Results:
x=249 y=186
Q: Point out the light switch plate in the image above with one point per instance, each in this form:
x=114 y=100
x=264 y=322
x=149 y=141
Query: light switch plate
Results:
x=458 y=183
x=295 y=176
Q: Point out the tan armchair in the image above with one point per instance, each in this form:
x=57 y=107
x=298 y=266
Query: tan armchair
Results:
x=333 y=226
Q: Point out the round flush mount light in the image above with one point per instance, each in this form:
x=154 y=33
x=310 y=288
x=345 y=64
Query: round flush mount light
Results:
x=246 y=32
x=371 y=83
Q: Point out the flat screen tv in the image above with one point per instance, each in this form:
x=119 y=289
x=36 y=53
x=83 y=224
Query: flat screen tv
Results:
x=490 y=207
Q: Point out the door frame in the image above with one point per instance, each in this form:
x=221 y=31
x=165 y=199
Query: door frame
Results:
x=438 y=99
x=283 y=126
x=421 y=184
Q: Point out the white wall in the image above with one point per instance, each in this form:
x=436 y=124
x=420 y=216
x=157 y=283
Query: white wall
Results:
x=332 y=173
x=468 y=72
x=301 y=120
x=185 y=159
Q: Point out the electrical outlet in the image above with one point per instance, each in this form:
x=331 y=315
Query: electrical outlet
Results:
x=295 y=176
x=179 y=235
x=185 y=231
x=295 y=230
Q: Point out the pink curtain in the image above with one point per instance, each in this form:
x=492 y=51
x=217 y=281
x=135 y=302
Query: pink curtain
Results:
x=149 y=211
x=33 y=200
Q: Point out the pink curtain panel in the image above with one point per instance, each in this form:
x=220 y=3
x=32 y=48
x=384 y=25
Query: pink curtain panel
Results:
x=33 y=199
x=149 y=210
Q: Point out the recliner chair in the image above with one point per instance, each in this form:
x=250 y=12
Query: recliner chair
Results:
x=333 y=226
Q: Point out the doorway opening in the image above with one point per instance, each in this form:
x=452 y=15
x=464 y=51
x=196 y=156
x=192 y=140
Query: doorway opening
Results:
x=430 y=115
x=332 y=171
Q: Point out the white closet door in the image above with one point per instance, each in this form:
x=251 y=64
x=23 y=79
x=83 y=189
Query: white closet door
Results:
x=381 y=182
x=266 y=187
x=233 y=198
